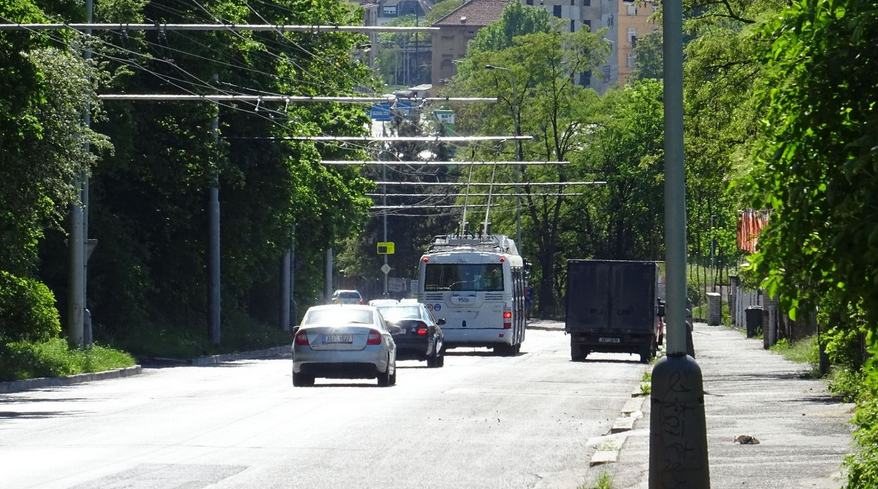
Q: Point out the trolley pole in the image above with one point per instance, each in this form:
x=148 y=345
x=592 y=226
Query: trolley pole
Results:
x=677 y=431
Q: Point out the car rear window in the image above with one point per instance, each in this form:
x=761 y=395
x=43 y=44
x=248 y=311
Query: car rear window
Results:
x=400 y=312
x=348 y=295
x=338 y=316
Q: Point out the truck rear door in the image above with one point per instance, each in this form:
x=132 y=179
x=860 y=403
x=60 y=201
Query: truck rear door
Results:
x=588 y=296
x=632 y=289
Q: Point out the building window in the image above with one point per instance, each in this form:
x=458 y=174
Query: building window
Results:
x=632 y=9
x=631 y=60
x=587 y=23
x=586 y=3
x=571 y=2
x=585 y=79
x=530 y=2
x=556 y=10
x=655 y=7
x=632 y=33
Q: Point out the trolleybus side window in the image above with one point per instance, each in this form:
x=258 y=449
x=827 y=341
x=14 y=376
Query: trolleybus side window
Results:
x=463 y=277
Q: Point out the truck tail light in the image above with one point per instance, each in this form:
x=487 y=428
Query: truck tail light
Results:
x=507 y=318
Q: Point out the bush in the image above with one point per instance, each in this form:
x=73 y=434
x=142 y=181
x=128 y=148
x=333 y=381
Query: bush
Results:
x=25 y=360
x=27 y=310
x=863 y=464
x=239 y=333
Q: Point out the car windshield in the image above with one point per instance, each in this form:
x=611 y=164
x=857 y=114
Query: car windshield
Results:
x=338 y=316
x=348 y=295
x=400 y=312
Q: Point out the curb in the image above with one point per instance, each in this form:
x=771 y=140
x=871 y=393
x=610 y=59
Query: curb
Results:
x=231 y=357
x=23 y=385
x=608 y=452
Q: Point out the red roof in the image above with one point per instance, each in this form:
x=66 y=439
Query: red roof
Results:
x=477 y=13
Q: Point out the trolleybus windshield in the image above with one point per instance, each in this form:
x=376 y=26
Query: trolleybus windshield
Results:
x=463 y=277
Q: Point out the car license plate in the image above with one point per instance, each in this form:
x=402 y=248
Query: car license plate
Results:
x=338 y=338
x=608 y=340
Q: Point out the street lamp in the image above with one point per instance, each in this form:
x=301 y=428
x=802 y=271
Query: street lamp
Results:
x=516 y=119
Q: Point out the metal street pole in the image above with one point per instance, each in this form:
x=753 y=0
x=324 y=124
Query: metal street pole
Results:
x=285 y=292
x=678 y=431
x=384 y=190
x=213 y=249
x=293 y=311
x=516 y=120
x=327 y=284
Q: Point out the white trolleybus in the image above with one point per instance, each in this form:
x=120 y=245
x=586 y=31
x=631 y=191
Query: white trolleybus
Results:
x=476 y=283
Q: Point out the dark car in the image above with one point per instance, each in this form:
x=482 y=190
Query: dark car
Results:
x=420 y=335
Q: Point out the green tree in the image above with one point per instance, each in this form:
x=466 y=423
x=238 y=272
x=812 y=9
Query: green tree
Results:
x=817 y=171
x=649 y=57
x=517 y=20
x=441 y=9
x=540 y=90
x=148 y=198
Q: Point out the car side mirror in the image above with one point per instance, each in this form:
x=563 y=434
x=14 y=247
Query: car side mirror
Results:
x=441 y=321
x=295 y=330
x=394 y=329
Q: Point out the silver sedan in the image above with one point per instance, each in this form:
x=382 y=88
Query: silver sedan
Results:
x=343 y=342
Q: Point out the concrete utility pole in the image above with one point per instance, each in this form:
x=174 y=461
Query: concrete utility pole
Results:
x=213 y=249
x=76 y=334
x=678 y=432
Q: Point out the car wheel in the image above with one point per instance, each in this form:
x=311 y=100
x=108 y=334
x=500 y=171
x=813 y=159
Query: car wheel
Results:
x=577 y=353
x=433 y=360
x=393 y=377
x=302 y=380
x=440 y=360
x=385 y=377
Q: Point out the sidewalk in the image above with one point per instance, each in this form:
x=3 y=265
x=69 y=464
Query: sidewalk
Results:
x=804 y=434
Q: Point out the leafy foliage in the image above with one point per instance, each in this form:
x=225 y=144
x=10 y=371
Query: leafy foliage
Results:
x=441 y=9
x=27 y=310
x=148 y=196
x=53 y=358
x=516 y=20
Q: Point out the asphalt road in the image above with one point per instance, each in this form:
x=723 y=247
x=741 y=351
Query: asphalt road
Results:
x=481 y=421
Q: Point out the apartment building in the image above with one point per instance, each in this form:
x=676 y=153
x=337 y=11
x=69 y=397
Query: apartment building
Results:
x=595 y=15
x=633 y=24
x=456 y=30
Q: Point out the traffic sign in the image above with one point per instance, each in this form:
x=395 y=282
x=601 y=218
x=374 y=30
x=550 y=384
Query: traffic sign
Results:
x=385 y=268
x=385 y=248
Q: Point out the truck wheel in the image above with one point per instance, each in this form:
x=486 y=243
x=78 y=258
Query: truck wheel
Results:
x=648 y=352
x=577 y=353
